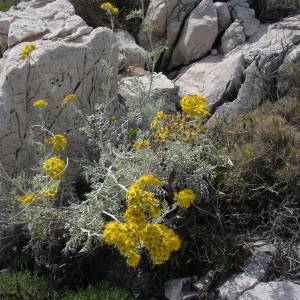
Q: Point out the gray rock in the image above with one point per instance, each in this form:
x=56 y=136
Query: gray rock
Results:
x=180 y=289
x=224 y=17
x=282 y=290
x=131 y=53
x=216 y=77
x=233 y=36
x=198 y=35
x=263 y=54
x=240 y=10
x=255 y=270
x=56 y=69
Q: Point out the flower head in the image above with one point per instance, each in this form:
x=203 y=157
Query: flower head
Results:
x=40 y=102
x=194 y=105
x=141 y=144
x=49 y=192
x=27 y=198
x=159 y=115
x=54 y=167
x=58 y=142
x=108 y=7
x=26 y=50
x=69 y=98
x=149 y=179
x=185 y=197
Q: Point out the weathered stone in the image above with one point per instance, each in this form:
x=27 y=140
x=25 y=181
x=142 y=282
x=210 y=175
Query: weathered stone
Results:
x=161 y=88
x=240 y=10
x=131 y=53
x=263 y=55
x=233 y=36
x=224 y=17
x=282 y=290
x=179 y=289
x=255 y=270
x=198 y=35
x=56 y=69
x=4 y=27
x=218 y=78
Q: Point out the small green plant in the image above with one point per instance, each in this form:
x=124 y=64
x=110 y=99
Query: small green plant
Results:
x=6 y=5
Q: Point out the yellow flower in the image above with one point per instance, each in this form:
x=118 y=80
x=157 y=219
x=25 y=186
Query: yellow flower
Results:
x=141 y=144
x=107 y=6
x=69 y=98
x=40 y=102
x=133 y=259
x=162 y=133
x=54 y=167
x=159 y=115
x=58 y=141
x=194 y=105
x=185 y=197
x=49 y=192
x=26 y=50
x=27 y=198
x=149 y=179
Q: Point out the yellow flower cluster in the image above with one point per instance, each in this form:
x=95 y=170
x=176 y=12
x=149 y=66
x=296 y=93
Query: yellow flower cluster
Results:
x=157 y=238
x=185 y=197
x=126 y=237
x=141 y=144
x=177 y=128
x=58 y=142
x=194 y=105
x=40 y=102
x=49 y=192
x=159 y=115
x=70 y=97
x=107 y=6
x=26 y=50
x=27 y=198
x=149 y=179
x=54 y=167
x=161 y=241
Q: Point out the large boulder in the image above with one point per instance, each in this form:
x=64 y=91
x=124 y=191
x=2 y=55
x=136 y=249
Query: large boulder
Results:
x=255 y=270
x=218 y=78
x=282 y=290
x=233 y=36
x=241 y=10
x=198 y=35
x=64 y=62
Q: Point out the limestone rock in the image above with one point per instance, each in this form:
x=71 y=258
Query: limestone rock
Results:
x=216 y=77
x=282 y=290
x=178 y=289
x=263 y=55
x=224 y=17
x=4 y=27
x=240 y=10
x=198 y=35
x=54 y=19
x=161 y=89
x=131 y=53
x=254 y=271
x=233 y=36
x=56 y=69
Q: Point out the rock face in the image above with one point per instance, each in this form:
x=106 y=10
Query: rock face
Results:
x=254 y=271
x=233 y=36
x=216 y=77
x=131 y=53
x=69 y=59
x=273 y=291
x=198 y=35
x=224 y=17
